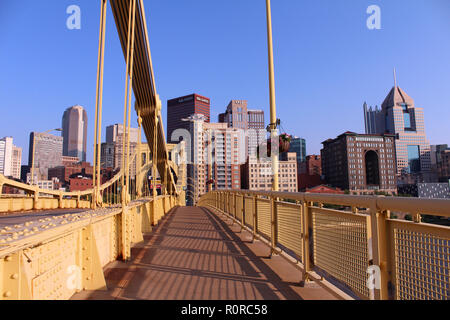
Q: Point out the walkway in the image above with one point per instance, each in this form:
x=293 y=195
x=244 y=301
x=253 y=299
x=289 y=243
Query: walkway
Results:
x=194 y=254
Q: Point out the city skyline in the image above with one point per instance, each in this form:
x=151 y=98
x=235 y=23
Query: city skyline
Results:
x=360 y=72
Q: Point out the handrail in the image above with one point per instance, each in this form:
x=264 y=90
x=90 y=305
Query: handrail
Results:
x=359 y=244
x=438 y=207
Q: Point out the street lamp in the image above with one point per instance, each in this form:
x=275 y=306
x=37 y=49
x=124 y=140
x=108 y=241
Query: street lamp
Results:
x=34 y=145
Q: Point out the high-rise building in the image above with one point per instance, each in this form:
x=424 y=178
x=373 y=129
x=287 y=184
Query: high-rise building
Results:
x=224 y=148
x=360 y=162
x=297 y=145
x=114 y=134
x=257 y=174
x=112 y=151
x=399 y=116
x=182 y=108
x=238 y=116
x=16 y=162
x=10 y=158
x=5 y=155
x=74 y=132
x=217 y=145
x=47 y=153
x=107 y=155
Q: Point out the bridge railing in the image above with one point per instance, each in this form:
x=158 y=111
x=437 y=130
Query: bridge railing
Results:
x=109 y=194
x=354 y=242
x=67 y=254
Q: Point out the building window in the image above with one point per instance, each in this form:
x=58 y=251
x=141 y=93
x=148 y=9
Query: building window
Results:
x=413 y=159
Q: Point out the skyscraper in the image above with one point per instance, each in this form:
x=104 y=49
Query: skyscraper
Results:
x=10 y=158
x=182 y=108
x=112 y=151
x=298 y=145
x=399 y=116
x=212 y=144
x=238 y=116
x=74 y=125
x=47 y=153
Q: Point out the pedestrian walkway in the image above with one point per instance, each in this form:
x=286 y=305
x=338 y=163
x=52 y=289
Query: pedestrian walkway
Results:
x=194 y=254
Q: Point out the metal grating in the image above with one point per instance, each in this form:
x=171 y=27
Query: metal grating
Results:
x=422 y=264
x=249 y=202
x=263 y=219
x=290 y=226
x=239 y=208
x=340 y=246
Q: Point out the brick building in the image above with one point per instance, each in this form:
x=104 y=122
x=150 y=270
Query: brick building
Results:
x=310 y=172
x=362 y=162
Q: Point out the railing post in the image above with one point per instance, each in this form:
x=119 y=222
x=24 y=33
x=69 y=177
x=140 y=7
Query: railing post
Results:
x=36 y=198
x=306 y=241
x=60 y=201
x=243 y=212
x=273 y=224
x=79 y=199
x=379 y=240
x=255 y=217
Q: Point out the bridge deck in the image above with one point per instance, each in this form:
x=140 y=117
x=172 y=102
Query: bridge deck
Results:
x=194 y=254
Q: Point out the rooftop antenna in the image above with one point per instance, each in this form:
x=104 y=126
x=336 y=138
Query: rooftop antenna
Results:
x=395 y=79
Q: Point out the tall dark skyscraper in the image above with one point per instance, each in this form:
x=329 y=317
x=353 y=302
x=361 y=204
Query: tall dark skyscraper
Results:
x=183 y=107
x=74 y=125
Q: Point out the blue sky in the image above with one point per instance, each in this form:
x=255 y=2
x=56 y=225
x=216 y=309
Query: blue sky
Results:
x=327 y=62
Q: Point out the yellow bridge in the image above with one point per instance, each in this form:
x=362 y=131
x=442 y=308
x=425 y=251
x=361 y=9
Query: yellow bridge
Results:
x=123 y=240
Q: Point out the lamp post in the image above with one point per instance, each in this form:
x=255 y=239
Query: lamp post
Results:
x=273 y=115
x=34 y=146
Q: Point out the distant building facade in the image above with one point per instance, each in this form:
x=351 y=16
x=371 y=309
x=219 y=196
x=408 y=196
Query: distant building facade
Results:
x=112 y=151
x=182 y=108
x=310 y=172
x=257 y=174
x=399 y=116
x=440 y=162
x=10 y=158
x=47 y=154
x=360 y=162
x=215 y=145
x=74 y=132
x=251 y=122
x=298 y=145
x=64 y=173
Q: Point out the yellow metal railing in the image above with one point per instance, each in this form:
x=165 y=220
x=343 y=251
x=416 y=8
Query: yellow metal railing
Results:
x=68 y=256
x=109 y=193
x=352 y=241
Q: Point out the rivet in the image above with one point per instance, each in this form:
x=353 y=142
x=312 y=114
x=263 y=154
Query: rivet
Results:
x=88 y=278
x=7 y=294
x=8 y=258
x=14 y=276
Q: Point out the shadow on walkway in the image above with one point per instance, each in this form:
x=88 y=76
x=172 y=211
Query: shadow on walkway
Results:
x=194 y=255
